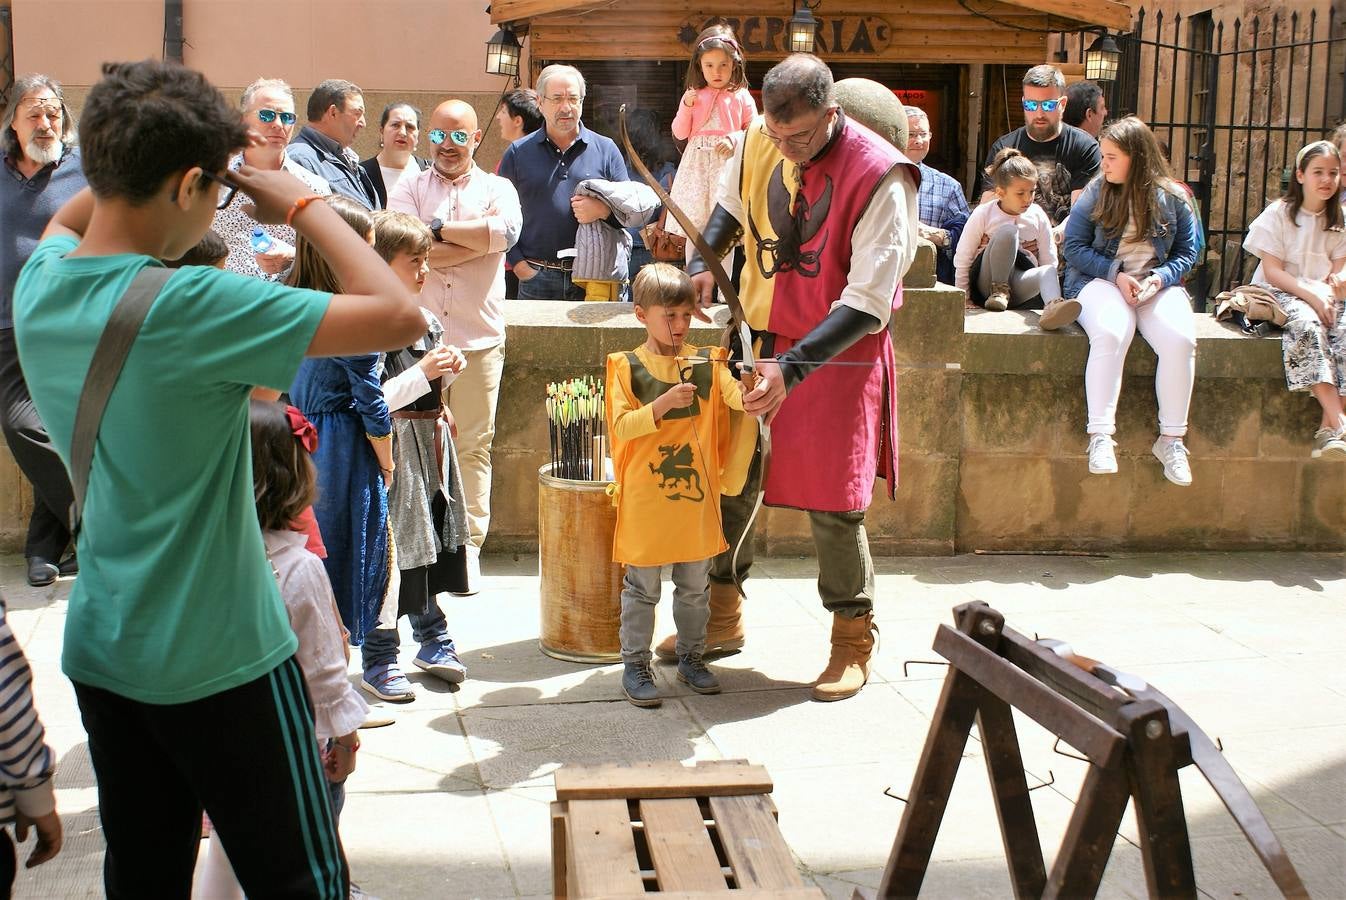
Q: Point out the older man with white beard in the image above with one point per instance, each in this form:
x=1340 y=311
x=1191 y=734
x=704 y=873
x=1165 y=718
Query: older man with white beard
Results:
x=41 y=172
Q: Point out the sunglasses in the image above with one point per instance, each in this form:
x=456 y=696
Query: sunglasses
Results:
x=269 y=115
x=459 y=137
x=1047 y=105
x=227 y=190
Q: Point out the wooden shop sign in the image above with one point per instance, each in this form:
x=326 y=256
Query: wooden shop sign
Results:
x=836 y=35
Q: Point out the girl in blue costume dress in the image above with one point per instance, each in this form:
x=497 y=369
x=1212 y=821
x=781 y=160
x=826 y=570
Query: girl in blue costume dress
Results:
x=342 y=397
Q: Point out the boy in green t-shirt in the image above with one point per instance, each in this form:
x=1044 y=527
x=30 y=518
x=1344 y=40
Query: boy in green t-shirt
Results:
x=176 y=639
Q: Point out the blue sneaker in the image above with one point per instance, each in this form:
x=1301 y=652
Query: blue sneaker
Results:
x=387 y=682
x=440 y=660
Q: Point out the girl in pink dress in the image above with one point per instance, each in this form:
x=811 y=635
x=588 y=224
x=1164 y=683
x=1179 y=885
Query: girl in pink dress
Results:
x=714 y=111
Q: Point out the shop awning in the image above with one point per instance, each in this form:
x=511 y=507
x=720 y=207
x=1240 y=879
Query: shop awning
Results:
x=1108 y=13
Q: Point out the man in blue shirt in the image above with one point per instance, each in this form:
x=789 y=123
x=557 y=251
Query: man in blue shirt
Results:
x=943 y=208
x=41 y=170
x=336 y=114
x=545 y=167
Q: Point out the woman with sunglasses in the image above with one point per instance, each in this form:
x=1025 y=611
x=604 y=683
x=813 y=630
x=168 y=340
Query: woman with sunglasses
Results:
x=399 y=132
x=268 y=112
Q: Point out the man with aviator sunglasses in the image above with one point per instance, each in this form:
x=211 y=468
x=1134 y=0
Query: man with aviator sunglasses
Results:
x=475 y=218
x=1066 y=157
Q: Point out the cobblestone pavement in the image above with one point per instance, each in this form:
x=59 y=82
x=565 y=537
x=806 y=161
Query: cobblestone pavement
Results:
x=450 y=801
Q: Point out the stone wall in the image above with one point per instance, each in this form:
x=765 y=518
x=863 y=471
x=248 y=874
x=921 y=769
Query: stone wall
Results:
x=992 y=439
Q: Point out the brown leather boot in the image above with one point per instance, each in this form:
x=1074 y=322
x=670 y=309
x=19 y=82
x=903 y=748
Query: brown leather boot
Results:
x=724 y=630
x=848 y=668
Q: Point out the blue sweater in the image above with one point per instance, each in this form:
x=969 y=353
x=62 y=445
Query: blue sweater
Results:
x=26 y=206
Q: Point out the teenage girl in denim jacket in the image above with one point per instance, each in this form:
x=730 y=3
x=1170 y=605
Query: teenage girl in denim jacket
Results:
x=1130 y=240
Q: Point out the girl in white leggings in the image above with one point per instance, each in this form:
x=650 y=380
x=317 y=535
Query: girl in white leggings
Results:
x=1130 y=240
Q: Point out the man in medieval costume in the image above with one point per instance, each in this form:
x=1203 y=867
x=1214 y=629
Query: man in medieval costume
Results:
x=827 y=212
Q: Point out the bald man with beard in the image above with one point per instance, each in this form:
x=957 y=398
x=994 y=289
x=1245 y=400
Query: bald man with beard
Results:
x=475 y=218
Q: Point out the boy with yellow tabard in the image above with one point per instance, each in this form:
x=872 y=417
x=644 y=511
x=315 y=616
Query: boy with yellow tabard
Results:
x=669 y=419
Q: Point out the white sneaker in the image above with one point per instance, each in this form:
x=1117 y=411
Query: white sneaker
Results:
x=1173 y=454
x=1102 y=455
x=473 y=554
x=1329 y=444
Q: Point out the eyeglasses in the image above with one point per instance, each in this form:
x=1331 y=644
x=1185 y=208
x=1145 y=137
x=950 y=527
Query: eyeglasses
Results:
x=269 y=115
x=1047 y=105
x=458 y=137
x=919 y=137
x=798 y=141
x=571 y=99
x=227 y=190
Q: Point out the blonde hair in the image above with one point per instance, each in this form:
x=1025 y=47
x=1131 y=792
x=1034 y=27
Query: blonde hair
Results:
x=659 y=284
x=399 y=232
x=310 y=269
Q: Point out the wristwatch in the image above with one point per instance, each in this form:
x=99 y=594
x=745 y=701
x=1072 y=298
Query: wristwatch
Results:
x=435 y=226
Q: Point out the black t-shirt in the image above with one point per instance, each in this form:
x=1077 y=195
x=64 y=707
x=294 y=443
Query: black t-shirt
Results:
x=1065 y=164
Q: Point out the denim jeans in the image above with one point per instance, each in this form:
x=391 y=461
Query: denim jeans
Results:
x=380 y=646
x=550 y=284
x=641 y=587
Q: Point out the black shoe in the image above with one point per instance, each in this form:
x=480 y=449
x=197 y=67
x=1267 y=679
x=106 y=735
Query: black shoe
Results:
x=69 y=566
x=41 y=572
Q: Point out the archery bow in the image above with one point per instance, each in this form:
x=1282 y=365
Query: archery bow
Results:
x=738 y=321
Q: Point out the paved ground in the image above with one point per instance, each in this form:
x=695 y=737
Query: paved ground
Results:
x=451 y=800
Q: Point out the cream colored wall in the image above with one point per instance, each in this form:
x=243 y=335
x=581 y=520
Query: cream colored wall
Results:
x=390 y=45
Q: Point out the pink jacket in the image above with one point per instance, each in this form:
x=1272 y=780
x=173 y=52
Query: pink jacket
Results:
x=736 y=110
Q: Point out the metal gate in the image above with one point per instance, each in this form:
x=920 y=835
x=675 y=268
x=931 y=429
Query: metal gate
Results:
x=1233 y=103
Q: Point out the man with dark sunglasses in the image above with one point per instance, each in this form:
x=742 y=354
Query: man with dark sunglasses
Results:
x=1066 y=157
x=336 y=114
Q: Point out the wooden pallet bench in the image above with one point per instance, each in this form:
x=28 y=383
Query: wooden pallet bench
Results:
x=694 y=832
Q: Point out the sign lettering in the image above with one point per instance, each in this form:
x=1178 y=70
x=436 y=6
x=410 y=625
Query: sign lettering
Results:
x=836 y=35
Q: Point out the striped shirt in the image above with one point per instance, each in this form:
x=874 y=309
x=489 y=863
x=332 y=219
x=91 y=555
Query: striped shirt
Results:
x=26 y=762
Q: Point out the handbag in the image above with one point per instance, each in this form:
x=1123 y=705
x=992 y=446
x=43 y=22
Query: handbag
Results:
x=663 y=247
x=114 y=345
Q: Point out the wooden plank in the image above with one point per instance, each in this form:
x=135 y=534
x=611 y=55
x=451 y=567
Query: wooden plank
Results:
x=1096 y=697
x=684 y=858
x=659 y=780
x=1108 y=13
x=930 y=788
x=1092 y=830
x=1096 y=740
x=558 y=850
x=1160 y=819
x=753 y=844
x=1009 y=788
x=517 y=10
x=600 y=848
x=798 y=893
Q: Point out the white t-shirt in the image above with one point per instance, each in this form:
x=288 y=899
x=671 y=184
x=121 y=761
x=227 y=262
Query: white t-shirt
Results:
x=1304 y=246
x=1135 y=252
x=392 y=176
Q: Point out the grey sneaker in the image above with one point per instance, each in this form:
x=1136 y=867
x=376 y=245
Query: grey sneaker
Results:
x=693 y=673
x=999 y=299
x=1059 y=313
x=1102 y=455
x=1329 y=444
x=1173 y=454
x=638 y=685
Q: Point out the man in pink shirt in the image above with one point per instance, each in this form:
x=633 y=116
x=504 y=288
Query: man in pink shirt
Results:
x=475 y=218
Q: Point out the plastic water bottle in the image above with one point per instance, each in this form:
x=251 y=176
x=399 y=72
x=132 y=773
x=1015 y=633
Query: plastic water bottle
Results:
x=260 y=241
